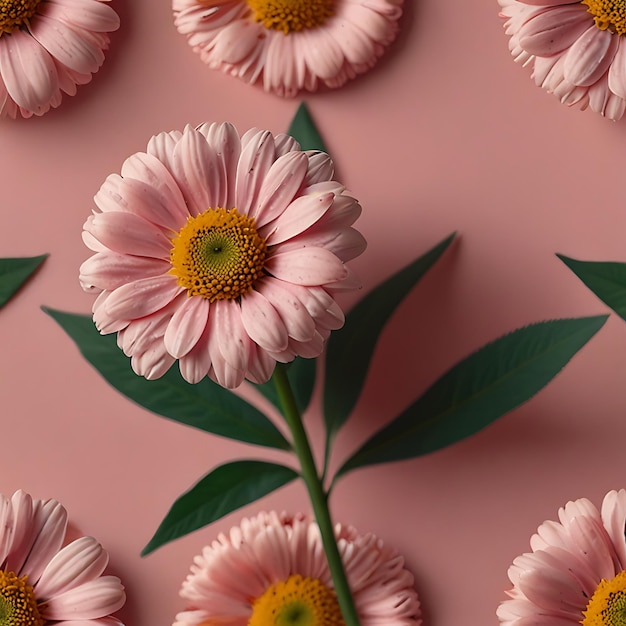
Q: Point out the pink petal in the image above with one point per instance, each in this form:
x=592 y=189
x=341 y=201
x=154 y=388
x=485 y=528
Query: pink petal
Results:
x=225 y=141
x=262 y=322
x=151 y=171
x=297 y=320
x=554 y=30
x=130 y=195
x=17 y=542
x=129 y=234
x=590 y=56
x=553 y=590
x=590 y=541
x=322 y=53
x=66 y=45
x=306 y=266
x=285 y=143
x=617 y=72
x=7 y=525
x=233 y=340
x=222 y=371
x=297 y=217
x=110 y=271
x=186 y=326
x=280 y=186
x=142 y=297
x=28 y=72
x=261 y=366
x=162 y=147
x=196 y=364
x=257 y=156
x=79 y=562
x=198 y=172
x=93 y=599
x=321 y=168
x=91 y=15
x=47 y=535
x=104 y=322
x=153 y=361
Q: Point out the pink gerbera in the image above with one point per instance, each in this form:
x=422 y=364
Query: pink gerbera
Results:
x=576 y=571
x=577 y=49
x=221 y=252
x=42 y=582
x=289 y=45
x=48 y=47
x=272 y=570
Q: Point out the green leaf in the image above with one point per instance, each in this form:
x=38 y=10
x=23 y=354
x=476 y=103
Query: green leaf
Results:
x=301 y=375
x=350 y=349
x=227 y=488
x=606 y=280
x=478 y=390
x=205 y=405
x=304 y=131
x=14 y=273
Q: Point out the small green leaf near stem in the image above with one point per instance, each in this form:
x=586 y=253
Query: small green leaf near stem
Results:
x=317 y=495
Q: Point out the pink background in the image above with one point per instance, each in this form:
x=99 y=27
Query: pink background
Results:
x=446 y=133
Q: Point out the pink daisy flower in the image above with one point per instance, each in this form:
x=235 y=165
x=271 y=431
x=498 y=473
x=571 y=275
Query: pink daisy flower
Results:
x=575 y=573
x=272 y=570
x=289 y=46
x=222 y=252
x=42 y=582
x=577 y=49
x=48 y=47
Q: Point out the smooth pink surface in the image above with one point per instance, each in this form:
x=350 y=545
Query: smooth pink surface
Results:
x=446 y=133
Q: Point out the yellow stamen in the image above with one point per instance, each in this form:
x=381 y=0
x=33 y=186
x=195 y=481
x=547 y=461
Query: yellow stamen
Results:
x=297 y=601
x=288 y=15
x=607 y=606
x=218 y=255
x=608 y=14
x=14 y=13
x=18 y=606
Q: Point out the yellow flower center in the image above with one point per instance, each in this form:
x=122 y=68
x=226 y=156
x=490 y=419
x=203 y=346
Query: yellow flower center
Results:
x=288 y=15
x=14 y=13
x=218 y=255
x=297 y=601
x=608 y=14
x=18 y=606
x=607 y=606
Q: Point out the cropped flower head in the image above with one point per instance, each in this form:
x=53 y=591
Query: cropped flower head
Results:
x=577 y=49
x=47 y=48
x=44 y=582
x=220 y=252
x=272 y=571
x=576 y=572
x=288 y=45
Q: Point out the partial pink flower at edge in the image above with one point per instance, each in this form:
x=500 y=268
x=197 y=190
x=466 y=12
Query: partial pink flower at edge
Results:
x=222 y=253
x=46 y=581
x=575 y=573
x=576 y=50
x=234 y=579
x=47 y=48
x=289 y=47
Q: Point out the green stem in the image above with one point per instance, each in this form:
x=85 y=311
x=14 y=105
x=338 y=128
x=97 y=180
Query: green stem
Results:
x=317 y=495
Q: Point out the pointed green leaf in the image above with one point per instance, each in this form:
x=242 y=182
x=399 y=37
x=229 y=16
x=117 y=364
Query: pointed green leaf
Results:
x=227 y=488
x=301 y=375
x=606 y=280
x=205 y=405
x=478 y=390
x=304 y=131
x=350 y=349
x=14 y=273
